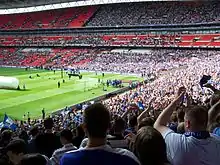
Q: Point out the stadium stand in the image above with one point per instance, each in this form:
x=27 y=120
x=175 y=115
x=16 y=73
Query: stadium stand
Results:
x=183 y=66
x=178 y=40
x=115 y=15
x=170 y=118
x=65 y=18
x=36 y=57
x=156 y=13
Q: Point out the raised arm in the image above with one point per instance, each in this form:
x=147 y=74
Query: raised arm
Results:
x=145 y=112
x=124 y=115
x=164 y=117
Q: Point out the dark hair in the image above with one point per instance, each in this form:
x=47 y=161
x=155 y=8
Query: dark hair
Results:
x=97 y=120
x=17 y=146
x=181 y=128
x=48 y=123
x=66 y=134
x=80 y=132
x=180 y=114
x=150 y=147
x=24 y=136
x=133 y=121
x=147 y=121
x=4 y=128
x=198 y=115
x=118 y=125
x=5 y=138
x=214 y=124
x=34 y=131
x=33 y=159
x=173 y=117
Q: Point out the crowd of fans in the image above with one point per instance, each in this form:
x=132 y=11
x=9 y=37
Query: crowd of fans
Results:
x=156 y=13
x=148 y=62
x=171 y=120
x=116 y=15
x=151 y=61
x=126 y=40
x=174 y=119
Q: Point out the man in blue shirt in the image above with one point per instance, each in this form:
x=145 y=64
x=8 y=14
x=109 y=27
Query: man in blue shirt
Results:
x=97 y=152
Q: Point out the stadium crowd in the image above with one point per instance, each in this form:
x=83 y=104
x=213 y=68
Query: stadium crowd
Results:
x=174 y=119
x=116 y=15
x=156 y=13
x=148 y=62
x=171 y=120
x=91 y=40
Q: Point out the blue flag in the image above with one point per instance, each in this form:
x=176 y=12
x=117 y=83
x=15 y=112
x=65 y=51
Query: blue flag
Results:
x=1 y=125
x=9 y=123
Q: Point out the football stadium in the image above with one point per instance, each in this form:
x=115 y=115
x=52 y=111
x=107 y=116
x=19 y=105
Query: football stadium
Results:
x=105 y=82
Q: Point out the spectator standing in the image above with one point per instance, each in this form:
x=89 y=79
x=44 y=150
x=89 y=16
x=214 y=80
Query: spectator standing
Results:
x=132 y=125
x=148 y=143
x=15 y=151
x=80 y=134
x=196 y=146
x=66 y=141
x=47 y=142
x=5 y=138
x=117 y=140
x=96 y=124
x=43 y=114
x=32 y=148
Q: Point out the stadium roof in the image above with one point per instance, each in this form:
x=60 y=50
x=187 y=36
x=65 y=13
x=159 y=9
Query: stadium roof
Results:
x=24 y=6
x=10 y=4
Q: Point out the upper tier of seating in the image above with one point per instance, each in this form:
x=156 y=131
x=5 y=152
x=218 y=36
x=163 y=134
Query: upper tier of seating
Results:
x=62 y=18
x=156 y=13
x=178 y=40
x=116 y=15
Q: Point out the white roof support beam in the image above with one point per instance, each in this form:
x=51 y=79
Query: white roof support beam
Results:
x=67 y=5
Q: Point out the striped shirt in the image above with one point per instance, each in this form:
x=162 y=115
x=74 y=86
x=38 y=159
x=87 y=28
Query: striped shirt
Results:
x=57 y=155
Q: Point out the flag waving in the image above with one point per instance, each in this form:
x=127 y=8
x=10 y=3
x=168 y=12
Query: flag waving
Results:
x=9 y=123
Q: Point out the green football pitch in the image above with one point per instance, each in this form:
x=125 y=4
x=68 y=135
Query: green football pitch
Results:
x=42 y=92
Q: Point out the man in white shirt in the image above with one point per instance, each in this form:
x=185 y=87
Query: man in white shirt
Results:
x=196 y=146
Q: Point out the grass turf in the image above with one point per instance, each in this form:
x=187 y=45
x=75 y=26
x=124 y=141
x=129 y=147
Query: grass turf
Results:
x=42 y=92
